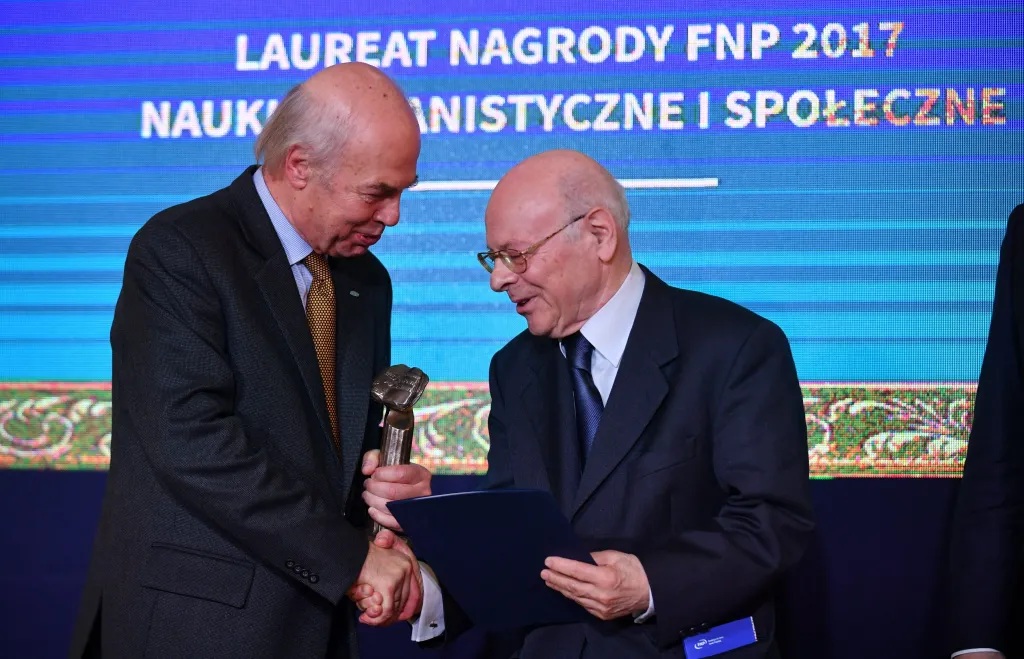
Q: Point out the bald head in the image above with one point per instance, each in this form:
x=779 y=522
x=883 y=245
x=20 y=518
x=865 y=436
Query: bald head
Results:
x=565 y=179
x=338 y=105
x=353 y=82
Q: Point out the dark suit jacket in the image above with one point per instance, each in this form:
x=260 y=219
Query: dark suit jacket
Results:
x=230 y=528
x=987 y=548
x=699 y=467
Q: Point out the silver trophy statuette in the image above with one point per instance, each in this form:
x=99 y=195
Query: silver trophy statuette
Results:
x=397 y=388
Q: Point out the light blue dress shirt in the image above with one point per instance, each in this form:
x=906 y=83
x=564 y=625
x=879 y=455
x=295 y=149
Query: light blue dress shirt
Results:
x=295 y=248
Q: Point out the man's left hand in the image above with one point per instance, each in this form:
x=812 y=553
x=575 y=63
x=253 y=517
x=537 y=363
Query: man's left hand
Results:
x=392 y=483
x=617 y=586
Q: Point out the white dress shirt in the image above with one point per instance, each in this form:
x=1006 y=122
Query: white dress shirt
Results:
x=957 y=654
x=297 y=249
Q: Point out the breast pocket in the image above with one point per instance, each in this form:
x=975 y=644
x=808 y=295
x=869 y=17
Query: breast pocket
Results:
x=653 y=462
x=652 y=480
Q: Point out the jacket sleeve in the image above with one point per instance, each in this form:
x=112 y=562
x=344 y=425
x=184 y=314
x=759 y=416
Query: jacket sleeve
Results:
x=987 y=535
x=759 y=450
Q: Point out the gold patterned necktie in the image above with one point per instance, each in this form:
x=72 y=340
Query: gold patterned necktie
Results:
x=320 y=315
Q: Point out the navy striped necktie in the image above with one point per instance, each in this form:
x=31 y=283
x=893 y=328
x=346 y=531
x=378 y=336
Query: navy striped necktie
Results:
x=589 y=407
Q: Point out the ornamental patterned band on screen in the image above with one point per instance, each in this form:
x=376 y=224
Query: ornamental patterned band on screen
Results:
x=895 y=429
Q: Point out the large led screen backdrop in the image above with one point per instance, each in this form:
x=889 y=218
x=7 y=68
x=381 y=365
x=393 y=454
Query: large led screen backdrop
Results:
x=844 y=168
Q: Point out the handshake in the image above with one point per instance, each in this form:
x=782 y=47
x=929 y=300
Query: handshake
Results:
x=389 y=588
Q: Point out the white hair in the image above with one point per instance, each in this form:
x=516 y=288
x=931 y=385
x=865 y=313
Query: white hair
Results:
x=303 y=120
x=582 y=192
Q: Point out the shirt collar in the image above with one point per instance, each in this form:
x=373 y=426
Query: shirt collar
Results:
x=295 y=248
x=608 y=329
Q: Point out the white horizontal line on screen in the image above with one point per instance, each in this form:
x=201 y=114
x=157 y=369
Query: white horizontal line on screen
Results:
x=628 y=183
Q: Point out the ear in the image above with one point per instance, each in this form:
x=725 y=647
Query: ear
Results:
x=601 y=226
x=297 y=168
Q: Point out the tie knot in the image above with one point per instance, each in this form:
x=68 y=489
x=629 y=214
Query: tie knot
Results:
x=578 y=351
x=317 y=264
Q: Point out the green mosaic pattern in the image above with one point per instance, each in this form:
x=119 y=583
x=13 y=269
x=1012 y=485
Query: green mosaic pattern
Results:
x=853 y=429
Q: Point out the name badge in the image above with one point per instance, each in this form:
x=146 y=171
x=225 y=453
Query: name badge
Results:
x=720 y=639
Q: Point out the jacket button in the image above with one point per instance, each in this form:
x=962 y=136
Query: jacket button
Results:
x=305 y=573
x=704 y=627
x=313 y=578
x=289 y=564
x=297 y=569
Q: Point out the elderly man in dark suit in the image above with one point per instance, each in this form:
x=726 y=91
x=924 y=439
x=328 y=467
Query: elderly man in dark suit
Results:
x=247 y=333
x=668 y=424
x=987 y=553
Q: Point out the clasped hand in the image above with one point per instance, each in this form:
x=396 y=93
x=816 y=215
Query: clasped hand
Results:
x=390 y=586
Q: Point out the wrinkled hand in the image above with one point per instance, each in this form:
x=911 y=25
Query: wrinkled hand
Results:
x=391 y=484
x=617 y=586
x=389 y=587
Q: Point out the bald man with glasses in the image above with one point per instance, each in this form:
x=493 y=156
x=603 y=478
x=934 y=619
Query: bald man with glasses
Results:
x=668 y=424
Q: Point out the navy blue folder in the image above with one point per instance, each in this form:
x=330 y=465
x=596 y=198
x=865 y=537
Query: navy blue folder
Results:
x=488 y=548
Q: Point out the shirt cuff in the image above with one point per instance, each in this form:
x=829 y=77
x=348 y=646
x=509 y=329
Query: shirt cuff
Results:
x=646 y=615
x=957 y=654
x=430 y=623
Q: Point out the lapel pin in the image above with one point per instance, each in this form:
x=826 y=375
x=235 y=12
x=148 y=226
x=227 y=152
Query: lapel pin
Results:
x=354 y=293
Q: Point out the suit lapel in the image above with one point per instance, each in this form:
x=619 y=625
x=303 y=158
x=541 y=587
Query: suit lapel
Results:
x=549 y=425
x=640 y=386
x=353 y=367
x=277 y=285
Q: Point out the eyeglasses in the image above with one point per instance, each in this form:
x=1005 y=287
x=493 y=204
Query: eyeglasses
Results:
x=514 y=259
